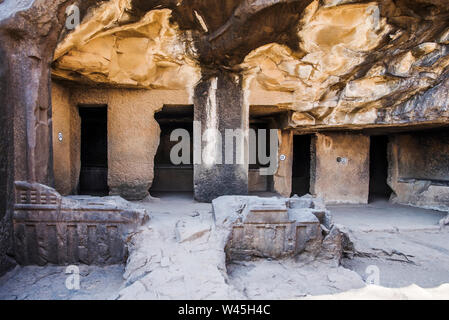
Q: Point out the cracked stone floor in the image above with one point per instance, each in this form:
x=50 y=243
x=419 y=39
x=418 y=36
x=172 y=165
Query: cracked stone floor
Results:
x=406 y=246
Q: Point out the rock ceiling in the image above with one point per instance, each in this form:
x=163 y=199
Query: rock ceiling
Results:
x=340 y=60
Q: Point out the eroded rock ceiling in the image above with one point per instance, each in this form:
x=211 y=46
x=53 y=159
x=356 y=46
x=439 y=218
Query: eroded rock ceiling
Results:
x=340 y=60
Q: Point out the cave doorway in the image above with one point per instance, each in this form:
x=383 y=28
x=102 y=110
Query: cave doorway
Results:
x=169 y=178
x=301 y=164
x=378 y=186
x=262 y=118
x=94 y=151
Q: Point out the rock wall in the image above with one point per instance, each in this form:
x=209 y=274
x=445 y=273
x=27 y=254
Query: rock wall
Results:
x=6 y=170
x=340 y=170
x=419 y=169
x=133 y=135
x=357 y=61
x=283 y=177
x=66 y=152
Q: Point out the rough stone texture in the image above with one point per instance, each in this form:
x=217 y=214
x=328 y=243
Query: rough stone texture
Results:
x=50 y=229
x=257 y=182
x=357 y=61
x=220 y=35
x=66 y=153
x=332 y=63
x=336 y=63
x=29 y=32
x=133 y=135
x=6 y=171
x=444 y=222
x=187 y=260
x=418 y=169
x=341 y=167
x=49 y=283
x=283 y=176
x=113 y=48
x=219 y=107
x=419 y=277
x=339 y=64
x=278 y=228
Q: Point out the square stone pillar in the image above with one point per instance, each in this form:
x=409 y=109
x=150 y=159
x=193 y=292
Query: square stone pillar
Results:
x=340 y=167
x=219 y=111
x=283 y=177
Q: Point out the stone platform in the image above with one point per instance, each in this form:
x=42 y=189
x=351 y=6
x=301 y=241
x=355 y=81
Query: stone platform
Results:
x=277 y=228
x=51 y=229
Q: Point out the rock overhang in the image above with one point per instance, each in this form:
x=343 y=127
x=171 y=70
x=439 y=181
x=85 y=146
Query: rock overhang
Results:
x=339 y=62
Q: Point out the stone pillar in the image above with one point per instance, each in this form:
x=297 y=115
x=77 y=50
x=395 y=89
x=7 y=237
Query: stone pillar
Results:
x=219 y=106
x=283 y=176
x=25 y=104
x=28 y=38
x=340 y=167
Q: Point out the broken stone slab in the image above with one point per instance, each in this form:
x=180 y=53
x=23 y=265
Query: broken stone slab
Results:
x=50 y=229
x=316 y=205
x=276 y=228
x=332 y=246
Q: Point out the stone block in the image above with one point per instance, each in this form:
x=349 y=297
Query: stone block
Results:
x=277 y=228
x=50 y=229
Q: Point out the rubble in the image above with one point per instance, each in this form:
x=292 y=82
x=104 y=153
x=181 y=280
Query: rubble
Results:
x=278 y=228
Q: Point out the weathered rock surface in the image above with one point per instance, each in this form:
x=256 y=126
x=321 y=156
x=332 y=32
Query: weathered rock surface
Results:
x=50 y=229
x=114 y=49
x=187 y=258
x=339 y=63
x=29 y=32
x=277 y=228
x=342 y=63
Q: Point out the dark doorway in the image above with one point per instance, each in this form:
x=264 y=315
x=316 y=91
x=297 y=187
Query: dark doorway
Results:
x=94 y=151
x=301 y=164
x=378 y=187
x=169 y=177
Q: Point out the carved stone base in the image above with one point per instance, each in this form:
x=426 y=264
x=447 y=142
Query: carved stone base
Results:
x=278 y=228
x=56 y=230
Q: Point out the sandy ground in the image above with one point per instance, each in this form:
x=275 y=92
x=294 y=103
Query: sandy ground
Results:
x=49 y=283
x=404 y=246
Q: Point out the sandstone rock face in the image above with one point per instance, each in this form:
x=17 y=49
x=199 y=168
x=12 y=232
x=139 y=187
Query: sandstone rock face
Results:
x=355 y=60
x=340 y=169
x=337 y=64
x=67 y=151
x=112 y=48
x=346 y=63
x=29 y=32
x=420 y=180
x=133 y=136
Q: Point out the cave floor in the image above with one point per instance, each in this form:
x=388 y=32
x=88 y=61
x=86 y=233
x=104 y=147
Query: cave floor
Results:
x=404 y=244
x=381 y=215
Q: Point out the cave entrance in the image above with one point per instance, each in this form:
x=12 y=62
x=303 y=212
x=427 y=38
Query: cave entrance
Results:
x=301 y=164
x=378 y=186
x=262 y=118
x=94 y=151
x=172 y=178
